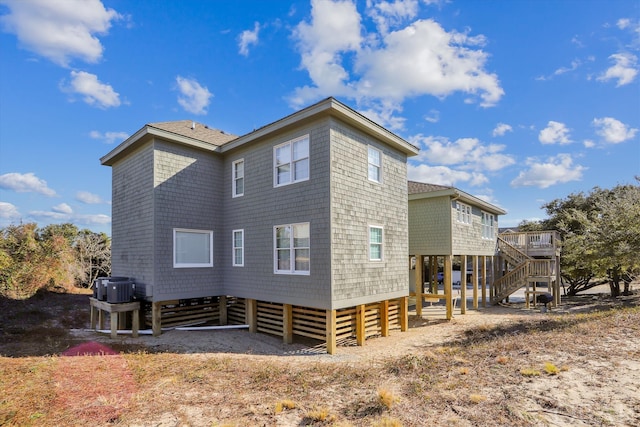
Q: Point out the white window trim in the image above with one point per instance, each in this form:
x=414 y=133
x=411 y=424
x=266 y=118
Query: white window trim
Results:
x=291 y=162
x=379 y=166
x=292 y=269
x=489 y=230
x=381 y=243
x=192 y=265
x=234 y=179
x=464 y=214
x=234 y=247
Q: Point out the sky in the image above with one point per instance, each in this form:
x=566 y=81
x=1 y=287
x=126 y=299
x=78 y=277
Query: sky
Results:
x=516 y=102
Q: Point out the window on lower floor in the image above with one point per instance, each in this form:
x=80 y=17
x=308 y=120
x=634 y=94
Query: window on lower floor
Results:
x=192 y=248
x=375 y=243
x=238 y=248
x=292 y=249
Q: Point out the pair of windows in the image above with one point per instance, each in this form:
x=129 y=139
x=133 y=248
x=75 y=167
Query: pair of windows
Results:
x=194 y=248
x=463 y=213
x=290 y=165
x=489 y=225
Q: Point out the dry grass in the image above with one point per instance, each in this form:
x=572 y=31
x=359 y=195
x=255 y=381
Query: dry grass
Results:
x=480 y=379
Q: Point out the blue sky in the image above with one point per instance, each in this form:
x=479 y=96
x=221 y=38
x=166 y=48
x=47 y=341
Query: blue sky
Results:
x=516 y=102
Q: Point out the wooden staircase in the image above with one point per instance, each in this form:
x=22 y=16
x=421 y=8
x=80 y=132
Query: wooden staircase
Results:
x=522 y=270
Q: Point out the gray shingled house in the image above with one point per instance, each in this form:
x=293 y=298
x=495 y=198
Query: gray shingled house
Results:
x=297 y=228
x=447 y=223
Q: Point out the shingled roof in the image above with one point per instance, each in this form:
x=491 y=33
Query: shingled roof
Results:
x=422 y=187
x=195 y=130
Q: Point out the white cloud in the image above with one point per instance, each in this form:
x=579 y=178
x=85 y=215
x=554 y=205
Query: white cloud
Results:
x=612 y=130
x=60 y=30
x=433 y=116
x=418 y=59
x=555 y=170
x=501 y=129
x=8 y=211
x=464 y=153
x=588 y=143
x=562 y=70
x=443 y=175
x=62 y=208
x=94 y=92
x=193 y=97
x=248 y=38
x=25 y=183
x=109 y=137
x=386 y=14
x=554 y=133
x=624 y=70
x=88 y=198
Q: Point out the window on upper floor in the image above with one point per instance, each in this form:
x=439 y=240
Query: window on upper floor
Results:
x=291 y=161
x=292 y=249
x=463 y=213
x=237 y=178
x=192 y=248
x=489 y=226
x=238 y=248
x=375 y=164
x=375 y=243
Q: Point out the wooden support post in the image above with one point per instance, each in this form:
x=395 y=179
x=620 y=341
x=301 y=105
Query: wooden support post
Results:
x=252 y=315
x=135 y=323
x=222 y=303
x=360 y=325
x=448 y=286
x=419 y=283
x=331 y=331
x=463 y=284
x=404 y=314
x=483 y=261
x=492 y=278
x=474 y=279
x=433 y=275
x=156 y=318
x=556 y=294
x=384 y=318
x=287 y=323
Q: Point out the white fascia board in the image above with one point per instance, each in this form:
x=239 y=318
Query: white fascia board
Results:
x=328 y=107
x=149 y=131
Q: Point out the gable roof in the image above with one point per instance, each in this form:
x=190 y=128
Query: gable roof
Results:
x=195 y=130
x=421 y=190
x=200 y=136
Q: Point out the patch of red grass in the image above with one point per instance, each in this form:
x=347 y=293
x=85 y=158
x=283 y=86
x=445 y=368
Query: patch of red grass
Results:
x=95 y=387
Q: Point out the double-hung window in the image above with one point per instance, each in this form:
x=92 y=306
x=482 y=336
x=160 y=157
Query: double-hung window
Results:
x=291 y=161
x=375 y=243
x=238 y=248
x=489 y=225
x=237 y=178
x=375 y=165
x=192 y=248
x=463 y=213
x=292 y=248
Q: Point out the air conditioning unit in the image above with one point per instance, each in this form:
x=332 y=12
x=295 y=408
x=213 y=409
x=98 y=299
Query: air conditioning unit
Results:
x=120 y=291
x=100 y=286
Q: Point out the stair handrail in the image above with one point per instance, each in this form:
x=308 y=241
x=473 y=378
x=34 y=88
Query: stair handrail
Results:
x=512 y=252
x=511 y=281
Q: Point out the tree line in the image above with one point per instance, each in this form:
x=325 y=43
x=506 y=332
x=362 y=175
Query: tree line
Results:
x=600 y=233
x=56 y=256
